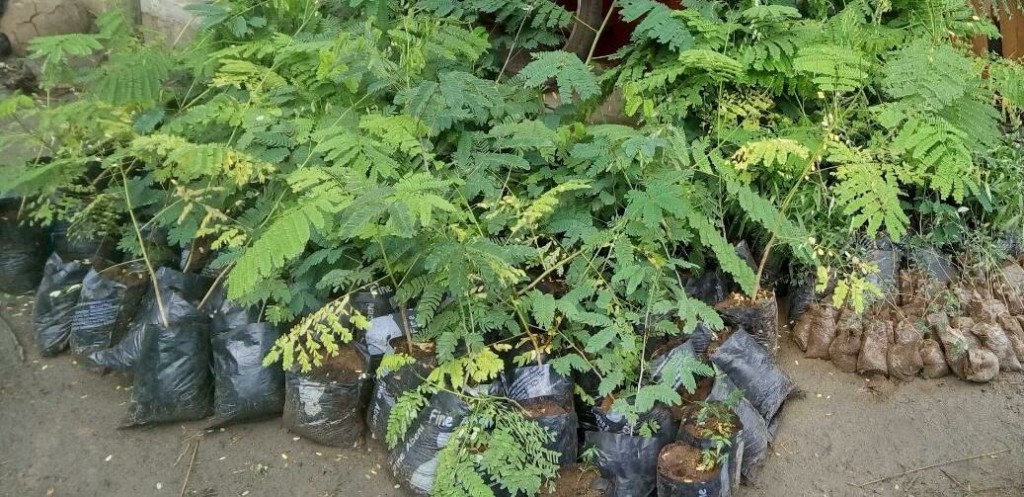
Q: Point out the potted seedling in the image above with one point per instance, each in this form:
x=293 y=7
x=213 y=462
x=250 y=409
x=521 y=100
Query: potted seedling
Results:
x=706 y=459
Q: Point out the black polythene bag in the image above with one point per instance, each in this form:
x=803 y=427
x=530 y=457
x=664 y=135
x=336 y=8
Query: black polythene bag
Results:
x=228 y=314
x=180 y=294
x=328 y=409
x=172 y=380
x=106 y=305
x=546 y=398
x=886 y=256
x=755 y=435
x=22 y=251
x=629 y=462
x=670 y=364
x=559 y=420
x=613 y=422
x=74 y=248
x=760 y=318
x=55 y=303
x=801 y=296
x=531 y=382
x=244 y=390
x=414 y=461
x=729 y=476
x=750 y=368
x=711 y=287
x=390 y=385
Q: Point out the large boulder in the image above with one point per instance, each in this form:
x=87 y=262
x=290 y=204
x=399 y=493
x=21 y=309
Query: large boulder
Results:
x=26 y=19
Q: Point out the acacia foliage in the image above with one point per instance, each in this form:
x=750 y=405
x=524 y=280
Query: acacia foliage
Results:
x=321 y=148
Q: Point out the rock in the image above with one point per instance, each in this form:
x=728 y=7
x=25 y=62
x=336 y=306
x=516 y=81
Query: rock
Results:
x=27 y=19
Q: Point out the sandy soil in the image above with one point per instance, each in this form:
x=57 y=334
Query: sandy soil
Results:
x=59 y=437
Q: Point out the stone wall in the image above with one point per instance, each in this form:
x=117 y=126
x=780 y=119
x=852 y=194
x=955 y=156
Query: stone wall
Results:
x=26 y=19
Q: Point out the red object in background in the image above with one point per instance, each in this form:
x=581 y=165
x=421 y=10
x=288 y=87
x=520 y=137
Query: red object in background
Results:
x=617 y=33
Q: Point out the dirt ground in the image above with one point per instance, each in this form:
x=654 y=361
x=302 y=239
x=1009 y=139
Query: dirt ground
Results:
x=59 y=437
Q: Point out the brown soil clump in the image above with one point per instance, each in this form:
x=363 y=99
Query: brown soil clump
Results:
x=679 y=462
x=348 y=366
x=576 y=481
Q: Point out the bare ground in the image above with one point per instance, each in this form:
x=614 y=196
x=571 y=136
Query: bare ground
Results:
x=59 y=437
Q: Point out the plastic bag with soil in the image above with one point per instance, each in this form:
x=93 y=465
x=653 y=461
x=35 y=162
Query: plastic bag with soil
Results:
x=994 y=338
x=108 y=301
x=933 y=362
x=845 y=349
x=559 y=419
x=801 y=297
x=414 y=461
x=710 y=287
x=629 y=462
x=822 y=332
x=55 y=303
x=987 y=310
x=671 y=363
x=228 y=314
x=874 y=351
x=172 y=380
x=887 y=258
x=755 y=434
x=546 y=398
x=71 y=247
x=326 y=405
x=244 y=390
x=659 y=417
x=1015 y=333
x=904 y=357
x=936 y=265
x=758 y=318
x=690 y=433
x=180 y=294
x=967 y=358
x=22 y=251
x=750 y=368
x=679 y=476
x=390 y=385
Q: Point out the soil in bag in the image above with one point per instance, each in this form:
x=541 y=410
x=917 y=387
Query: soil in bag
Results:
x=22 y=251
x=904 y=357
x=994 y=338
x=558 y=419
x=694 y=433
x=680 y=473
x=55 y=303
x=878 y=337
x=822 y=331
x=933 y=362
x=546 y=397
x=414 y=461
x=750 y=367
x=845 y=348
x=244 y=390
x=108 y=301
x=172 y=380
x=71 y=247
x=887 y=258
x=755 y=435
x=327 y=404
x=228 y=314
x=659 y=418
x=801 y=297
x=628 y=462
x=390 y=385
x=577 y=481
x=180 y=293
x=759 y=318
